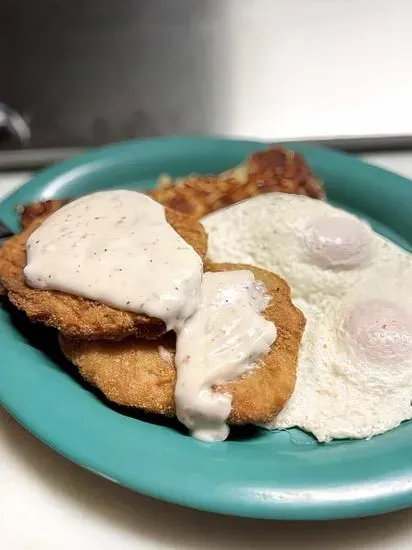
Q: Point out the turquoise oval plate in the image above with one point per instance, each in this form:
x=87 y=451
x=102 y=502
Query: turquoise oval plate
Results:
x=265 y=475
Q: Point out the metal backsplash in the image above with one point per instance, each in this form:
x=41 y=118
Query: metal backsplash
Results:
x=83 y=73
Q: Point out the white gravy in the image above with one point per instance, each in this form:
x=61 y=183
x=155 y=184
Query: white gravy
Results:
x=219 y=343
x=117 y=248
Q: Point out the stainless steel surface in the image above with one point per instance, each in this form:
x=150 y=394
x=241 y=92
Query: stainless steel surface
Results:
x=87 y=73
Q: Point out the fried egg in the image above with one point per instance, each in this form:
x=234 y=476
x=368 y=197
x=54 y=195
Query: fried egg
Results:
x=320 y=250
x=355 y=366
x=354 y=374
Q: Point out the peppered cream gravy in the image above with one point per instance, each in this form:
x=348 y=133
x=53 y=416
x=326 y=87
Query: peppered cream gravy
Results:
x=117 y=248
x=219 y=343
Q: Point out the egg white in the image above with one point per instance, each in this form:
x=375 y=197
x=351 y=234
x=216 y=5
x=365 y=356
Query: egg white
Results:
x=274 y=231
x=340 y=392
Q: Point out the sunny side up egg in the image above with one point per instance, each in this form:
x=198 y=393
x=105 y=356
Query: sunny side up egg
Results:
x=320 y=250
x=354 y=376
x=355 y=366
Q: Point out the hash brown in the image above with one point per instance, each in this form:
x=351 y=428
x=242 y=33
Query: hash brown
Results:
x=276 y=169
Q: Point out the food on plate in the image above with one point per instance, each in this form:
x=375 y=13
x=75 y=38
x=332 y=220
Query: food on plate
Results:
x=142 y=374
x=282 y=169
x=355 y=365
x=118 y=256
x=232 y=320
x=77 y=255
x=38 y=210
x=320 y=250
x=153 y=327
x=134 y=372
x=276 y=169
x=354 y=376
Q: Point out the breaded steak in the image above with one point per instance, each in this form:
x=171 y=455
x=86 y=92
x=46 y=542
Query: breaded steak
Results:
x=141 y=374
x=76 y=316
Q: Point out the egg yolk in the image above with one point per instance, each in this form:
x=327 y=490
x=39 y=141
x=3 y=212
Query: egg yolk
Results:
x=338 y=242
x=380 y=331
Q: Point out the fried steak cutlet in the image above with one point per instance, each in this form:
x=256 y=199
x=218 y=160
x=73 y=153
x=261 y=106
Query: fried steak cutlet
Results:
x=73 y=315
x=141 y=374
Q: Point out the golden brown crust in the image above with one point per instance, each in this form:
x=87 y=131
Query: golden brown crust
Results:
x=133 y=373
x=283 y=170
x=276 y=169
x=35 y=210
x=75 y=316
x=130 y=373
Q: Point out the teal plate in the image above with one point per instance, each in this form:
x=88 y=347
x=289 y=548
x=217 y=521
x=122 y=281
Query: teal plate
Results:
x=284 y=475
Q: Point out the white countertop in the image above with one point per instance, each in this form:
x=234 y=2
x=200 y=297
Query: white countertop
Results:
x=48 y=503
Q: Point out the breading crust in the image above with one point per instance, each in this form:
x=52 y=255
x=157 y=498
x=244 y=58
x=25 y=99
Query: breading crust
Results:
x=135 y=373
